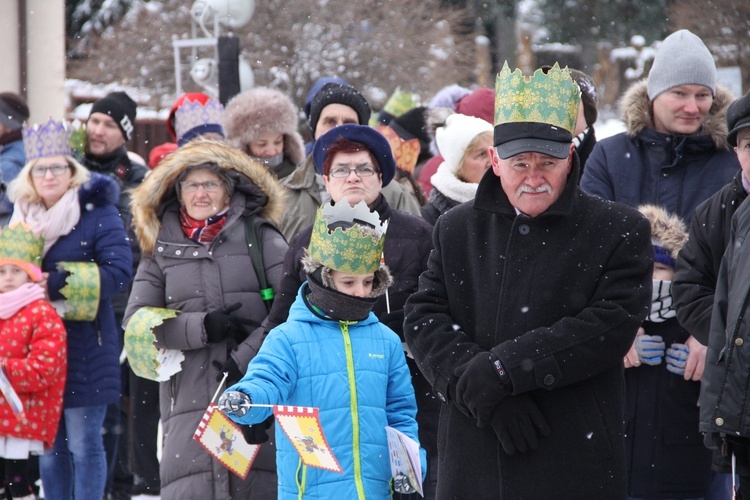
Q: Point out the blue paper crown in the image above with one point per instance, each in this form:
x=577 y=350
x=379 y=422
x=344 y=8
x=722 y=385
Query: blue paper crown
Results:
x=193 y=114
x=50 y=139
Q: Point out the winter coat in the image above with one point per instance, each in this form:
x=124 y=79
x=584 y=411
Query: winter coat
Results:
x=12 y=159
x=93 y=348
x=675 y=172
x=447 y=192
x=726 y=379
x=315 y=361
x=664 y=451
x=178 y=273
x=700 y=258
x=558 y=299
x=303 y=196
x=33 y=353
x=438 y=205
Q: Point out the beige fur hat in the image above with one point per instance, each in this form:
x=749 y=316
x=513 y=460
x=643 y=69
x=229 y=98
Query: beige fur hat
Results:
x=668 y=232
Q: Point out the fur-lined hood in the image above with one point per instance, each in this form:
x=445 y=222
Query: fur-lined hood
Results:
x=99 y=191
x=383 y=278
x=635 y=108
x=259 y=111
x=667 y=230
x=252 y=178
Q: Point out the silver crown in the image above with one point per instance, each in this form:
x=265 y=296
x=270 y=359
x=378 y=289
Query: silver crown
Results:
x=51 y=139
x=194 y=114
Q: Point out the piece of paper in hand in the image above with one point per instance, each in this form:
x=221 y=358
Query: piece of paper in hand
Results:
x=405 y=460
x=223 y=439
x=11 y=397
x=301 y=424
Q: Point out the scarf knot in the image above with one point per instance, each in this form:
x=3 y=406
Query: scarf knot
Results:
x=202 y=231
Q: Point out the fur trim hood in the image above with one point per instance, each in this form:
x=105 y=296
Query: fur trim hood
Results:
x=252 y=178
x=635 y=108
x=99 y=191
x=261 y=110
x=667 y=230
x=383 y=278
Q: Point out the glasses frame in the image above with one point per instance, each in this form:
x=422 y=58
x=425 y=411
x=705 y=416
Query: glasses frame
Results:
x=185 y=189
x=36 y=169
x=357 y=171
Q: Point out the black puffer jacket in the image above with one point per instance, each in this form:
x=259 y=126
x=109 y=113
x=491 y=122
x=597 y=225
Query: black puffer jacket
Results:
x=699 y=260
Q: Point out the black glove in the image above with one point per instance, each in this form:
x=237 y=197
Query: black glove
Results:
x=221 y=324
x=479 y=388
x=518 y=423
x=234 y=374
x=258 y=433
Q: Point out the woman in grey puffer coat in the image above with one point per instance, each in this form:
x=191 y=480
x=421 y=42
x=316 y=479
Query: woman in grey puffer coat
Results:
x=190 y=219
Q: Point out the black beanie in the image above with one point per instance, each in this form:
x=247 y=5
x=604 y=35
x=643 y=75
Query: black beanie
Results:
x=413 y=125
x=121 y=108
x=336 y=93
x=13 y=110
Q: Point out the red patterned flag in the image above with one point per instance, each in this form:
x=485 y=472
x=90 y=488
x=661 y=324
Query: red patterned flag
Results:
x=301 y=424
x=223 y=439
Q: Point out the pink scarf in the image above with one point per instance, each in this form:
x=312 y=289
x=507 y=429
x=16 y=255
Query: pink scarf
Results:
x=15 y=300
x=52 y=223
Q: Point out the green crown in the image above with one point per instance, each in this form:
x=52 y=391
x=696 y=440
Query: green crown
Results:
x=18 y=242
x=354 y=250
x=551 y=98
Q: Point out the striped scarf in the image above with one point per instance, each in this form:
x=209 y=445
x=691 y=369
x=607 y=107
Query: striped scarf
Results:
x=202 y=231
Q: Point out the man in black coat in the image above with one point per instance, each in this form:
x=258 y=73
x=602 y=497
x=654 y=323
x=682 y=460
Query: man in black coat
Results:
x=533 y=294
x=406 y=250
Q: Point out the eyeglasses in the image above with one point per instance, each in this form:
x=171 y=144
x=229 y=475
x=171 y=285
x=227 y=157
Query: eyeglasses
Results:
x=192 y=187
x=56 y=170
x=361 y=171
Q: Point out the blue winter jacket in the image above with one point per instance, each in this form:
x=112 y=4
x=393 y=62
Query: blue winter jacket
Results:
x=356 y=374
x=99 y=237
x=12 y=160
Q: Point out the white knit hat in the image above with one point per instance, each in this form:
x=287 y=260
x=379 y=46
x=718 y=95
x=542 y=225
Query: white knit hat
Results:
x=455 y=136
x=682 y=59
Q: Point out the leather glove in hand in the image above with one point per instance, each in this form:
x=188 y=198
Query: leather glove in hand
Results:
x=258 y=433
x=479 y=388
x=234 y=403
x=650 y=349
x=677 y=356
x=222 y=324
x=402 y=485
x=518 y=423
x=234 y=374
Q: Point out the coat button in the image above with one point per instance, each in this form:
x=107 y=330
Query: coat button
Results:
x=719 y=421
x=160 y=249
x=524 y=229
x=195 y=254
x=178 y=252
x=738 y=342
x=549 y=379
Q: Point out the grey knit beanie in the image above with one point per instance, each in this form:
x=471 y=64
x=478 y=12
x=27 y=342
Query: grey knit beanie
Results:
x=682 y=59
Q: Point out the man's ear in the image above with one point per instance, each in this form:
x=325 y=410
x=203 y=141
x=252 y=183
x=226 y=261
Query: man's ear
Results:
x=495 y=160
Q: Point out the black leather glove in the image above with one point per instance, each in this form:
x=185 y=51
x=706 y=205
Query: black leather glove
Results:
x=234 y=374
x=258 y=433
x=479 y=388
x=518 y=423
x=222 y=323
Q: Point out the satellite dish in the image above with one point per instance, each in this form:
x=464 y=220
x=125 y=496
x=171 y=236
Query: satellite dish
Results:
x=233 y=13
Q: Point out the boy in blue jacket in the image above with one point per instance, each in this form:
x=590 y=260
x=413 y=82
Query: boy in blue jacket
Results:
x=335 y=355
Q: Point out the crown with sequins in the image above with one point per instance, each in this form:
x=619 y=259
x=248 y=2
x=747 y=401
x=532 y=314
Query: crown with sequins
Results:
x=552 y=98
x=52 y=138
x=21 y=247
x=194 y=114
x=347 y=238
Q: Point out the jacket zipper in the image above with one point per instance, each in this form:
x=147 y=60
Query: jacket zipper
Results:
x=353 y=406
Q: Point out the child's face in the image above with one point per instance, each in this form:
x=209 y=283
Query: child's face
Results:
x=357 y=285
x=663 y=272
x=11 y=277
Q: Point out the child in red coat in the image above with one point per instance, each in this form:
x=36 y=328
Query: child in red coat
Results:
x=32 y=359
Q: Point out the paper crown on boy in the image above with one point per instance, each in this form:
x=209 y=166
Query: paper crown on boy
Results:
x=536 y=114
x=668 y=234
x=194 y=118
x=21 y=247
x=40 y=141
x=347 y=238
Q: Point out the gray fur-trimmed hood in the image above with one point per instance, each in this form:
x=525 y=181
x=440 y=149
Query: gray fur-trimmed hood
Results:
x=635 y=108
x=667 y=230
x=261 y=110
x=251 y=177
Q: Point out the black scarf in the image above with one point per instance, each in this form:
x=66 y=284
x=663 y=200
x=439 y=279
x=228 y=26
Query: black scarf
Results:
x=334 y=304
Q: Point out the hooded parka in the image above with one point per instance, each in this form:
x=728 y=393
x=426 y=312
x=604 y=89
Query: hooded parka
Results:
x=178 y=273
x=558 y=299
x=676 y=172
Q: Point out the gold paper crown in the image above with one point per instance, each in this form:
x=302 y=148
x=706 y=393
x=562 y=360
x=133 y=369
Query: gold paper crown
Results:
x=551 y=98
x=193 y=114
x=405 y=152
x=50 y=139
x=339 y=242
x=20 y=246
